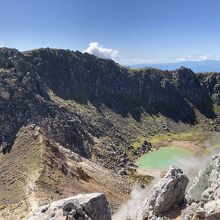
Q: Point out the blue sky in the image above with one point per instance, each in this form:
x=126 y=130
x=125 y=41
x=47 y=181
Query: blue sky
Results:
x=137 y=31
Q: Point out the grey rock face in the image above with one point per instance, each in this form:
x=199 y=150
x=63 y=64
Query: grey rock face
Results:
x=198 y=211
x=168 y=192
x=212 y=83
x=206 y=185
x=205 y=191
x=24 y=100
x=92 y=206
x=212 y=210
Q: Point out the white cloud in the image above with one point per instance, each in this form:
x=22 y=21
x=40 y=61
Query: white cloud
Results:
x=205 y=57
x=98 y=50
x=1 y=44
x=197 y=58
x=134 y=61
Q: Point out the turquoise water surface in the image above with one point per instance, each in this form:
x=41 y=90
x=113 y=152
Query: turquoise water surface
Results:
x=163 y=157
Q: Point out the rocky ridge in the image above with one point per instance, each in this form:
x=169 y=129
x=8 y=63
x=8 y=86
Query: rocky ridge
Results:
x=36 y=85
x=38 y=170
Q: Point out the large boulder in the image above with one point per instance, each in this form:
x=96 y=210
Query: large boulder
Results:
x=168 y=192
x=92 y=206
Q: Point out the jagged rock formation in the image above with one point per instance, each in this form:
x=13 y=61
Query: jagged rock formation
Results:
x=206 y=185
x=25 y=99
x=212 y=83
x=204 y=194
x=81 y=207
x=167 y=193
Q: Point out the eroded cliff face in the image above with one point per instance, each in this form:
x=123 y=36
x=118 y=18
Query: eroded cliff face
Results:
x=27 y=80
x=25 y=99
x=84 y=77
x=212 y=83
x=96 y=107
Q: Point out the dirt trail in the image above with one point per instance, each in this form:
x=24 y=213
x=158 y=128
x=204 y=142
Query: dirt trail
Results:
x=31 y=186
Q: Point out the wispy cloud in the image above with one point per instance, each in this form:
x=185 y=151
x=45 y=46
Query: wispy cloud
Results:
x=197 y=58
x=133 y=61
x=1 y=44
x=98 y=50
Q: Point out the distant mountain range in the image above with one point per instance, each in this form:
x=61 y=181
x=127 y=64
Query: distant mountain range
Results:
x=196 y=66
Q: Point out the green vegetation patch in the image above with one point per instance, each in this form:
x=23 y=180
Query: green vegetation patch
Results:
x=194 y=136
x=139 y=142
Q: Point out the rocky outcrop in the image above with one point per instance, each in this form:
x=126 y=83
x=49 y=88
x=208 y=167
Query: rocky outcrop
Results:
x=190 y=86
x=92 y=206
x=168 y=192
x=212 y=84
x=24 y=99
x=206 y=185
x=204 y=194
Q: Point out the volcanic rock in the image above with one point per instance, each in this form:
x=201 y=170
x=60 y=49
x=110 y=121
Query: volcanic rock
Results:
x=92 y=206
x=168 y=192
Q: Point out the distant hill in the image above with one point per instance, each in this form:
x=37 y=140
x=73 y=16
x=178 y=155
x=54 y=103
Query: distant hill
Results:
x=196 y=66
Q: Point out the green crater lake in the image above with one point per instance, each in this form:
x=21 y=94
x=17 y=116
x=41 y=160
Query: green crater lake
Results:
x=163 y=157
